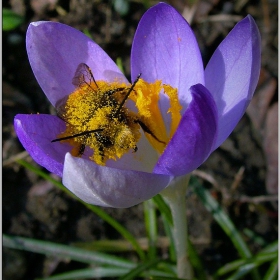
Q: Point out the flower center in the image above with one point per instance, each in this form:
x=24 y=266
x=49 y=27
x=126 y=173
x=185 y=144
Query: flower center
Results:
x=97 y=117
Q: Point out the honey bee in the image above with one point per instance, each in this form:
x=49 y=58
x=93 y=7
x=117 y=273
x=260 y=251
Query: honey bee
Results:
x=101 y=120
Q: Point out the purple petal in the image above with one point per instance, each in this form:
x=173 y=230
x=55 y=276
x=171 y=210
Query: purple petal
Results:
x=105 y=186
x=35 y=132
x=55 y=50
x=194 y=138
x=165 y=48
x=232 y=75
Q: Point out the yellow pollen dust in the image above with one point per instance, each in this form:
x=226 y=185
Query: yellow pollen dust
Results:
x=96 y=117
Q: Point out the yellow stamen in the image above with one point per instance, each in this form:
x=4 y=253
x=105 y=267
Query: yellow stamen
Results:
x=146 y=100
x=174 y=109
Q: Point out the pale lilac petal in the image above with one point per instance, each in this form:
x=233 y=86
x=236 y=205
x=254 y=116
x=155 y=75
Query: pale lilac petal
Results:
x=165 y=48
x=55 y=50
x=194 y=138
x=232 y=74
x=143 y=160
x=35 y=132
x=105 y=186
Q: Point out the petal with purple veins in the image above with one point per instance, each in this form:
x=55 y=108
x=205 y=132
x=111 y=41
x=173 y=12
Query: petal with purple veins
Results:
x=36 y=132
x=232 y=74
x=165 y=48
x=55 y=50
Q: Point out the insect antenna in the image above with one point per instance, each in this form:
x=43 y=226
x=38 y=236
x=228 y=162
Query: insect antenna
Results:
x=126 y=96
x=77 y=135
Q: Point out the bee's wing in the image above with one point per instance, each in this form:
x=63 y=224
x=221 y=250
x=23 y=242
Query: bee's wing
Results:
x=60 y=112
x=83 y=76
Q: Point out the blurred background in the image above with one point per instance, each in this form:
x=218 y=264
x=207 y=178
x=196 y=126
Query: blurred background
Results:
x=242 y=175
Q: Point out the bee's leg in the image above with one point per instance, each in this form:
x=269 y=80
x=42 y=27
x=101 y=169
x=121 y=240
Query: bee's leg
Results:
x=82 y=149
x=147 y=130
x=101 y=152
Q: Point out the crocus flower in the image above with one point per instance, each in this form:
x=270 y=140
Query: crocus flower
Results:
x=164 y=49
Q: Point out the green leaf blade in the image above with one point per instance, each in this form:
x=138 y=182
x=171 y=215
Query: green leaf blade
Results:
x=10 y=20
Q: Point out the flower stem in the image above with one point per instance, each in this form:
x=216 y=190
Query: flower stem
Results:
x=175 y=196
